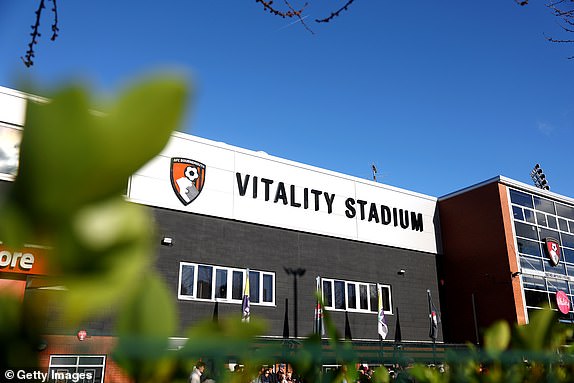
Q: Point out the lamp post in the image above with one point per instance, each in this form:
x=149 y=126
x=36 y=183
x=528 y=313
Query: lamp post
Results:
x=299 y=272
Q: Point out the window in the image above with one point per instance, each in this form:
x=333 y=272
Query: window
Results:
x=254 y=288
x=531 y=263
x=521 y=199
x=526 y=231
x=568 y=256
x=221 y=283
x=517 y=212
x=374 y=298
x=237 y=285
x=224 y=284
x=568 y=240
x=563 y=224
x=328 y=293
x=355 y=296
x=565 y=211
x=77 y=368
x=204 y=278
x=544 y=205
x=352 y=294
x=340 y=295
x=528 y=247
x=10 y=148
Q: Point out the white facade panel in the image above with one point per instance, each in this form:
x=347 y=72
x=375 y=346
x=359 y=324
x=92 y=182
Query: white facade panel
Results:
x=254 y=187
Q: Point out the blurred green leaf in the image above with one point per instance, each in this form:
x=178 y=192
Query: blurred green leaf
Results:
x=144 y=325
x=497 y=337
x=71 y=156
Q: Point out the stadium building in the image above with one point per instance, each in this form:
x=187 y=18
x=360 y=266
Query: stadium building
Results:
x=225 y=215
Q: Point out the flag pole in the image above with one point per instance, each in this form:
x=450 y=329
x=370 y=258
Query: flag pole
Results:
x=433 y=331
x=382 y=328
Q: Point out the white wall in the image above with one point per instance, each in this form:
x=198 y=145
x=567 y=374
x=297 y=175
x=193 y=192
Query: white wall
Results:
x=220 y=196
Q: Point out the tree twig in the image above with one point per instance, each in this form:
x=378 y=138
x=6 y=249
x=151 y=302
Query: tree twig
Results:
x=336 y=13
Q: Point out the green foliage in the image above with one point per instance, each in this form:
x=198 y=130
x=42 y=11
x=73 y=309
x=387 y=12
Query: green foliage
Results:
x=74 y=167
x=531 y=353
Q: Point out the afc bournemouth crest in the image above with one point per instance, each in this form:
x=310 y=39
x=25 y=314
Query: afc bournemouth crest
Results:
x=187 y=179
x=552 y=249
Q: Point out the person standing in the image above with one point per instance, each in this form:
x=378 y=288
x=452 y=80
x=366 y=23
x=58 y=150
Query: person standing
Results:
x=195 y=376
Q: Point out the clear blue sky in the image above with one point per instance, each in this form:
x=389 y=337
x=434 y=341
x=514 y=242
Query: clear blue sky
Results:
x=438 y=94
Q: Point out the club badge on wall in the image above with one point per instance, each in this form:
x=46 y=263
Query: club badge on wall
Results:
x=552 y=250
x=187 y=179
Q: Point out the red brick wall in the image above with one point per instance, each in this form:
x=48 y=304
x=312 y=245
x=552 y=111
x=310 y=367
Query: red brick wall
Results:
x=70 y=345
x=478 y=257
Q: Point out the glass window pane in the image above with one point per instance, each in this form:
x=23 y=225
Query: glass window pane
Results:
x=535 y=283
x=555 y=285
x=544 y=205
x=521 y=198
x=536 y=298
x=10 y=150
x=571 y=224
x=528 y=247
x=254 y=286
x=204 y=281
x=374 y=298
x=386 y=292
x=524 y=230
x=563 y=224
x=551 y=222
x=558 y=269
x=517 y=212
x=186 y=280
x=91 y=360
x=340 y=295
x=570 y=271
x=529 y=216
x=363 y=297
x=237 y=292
x=267 y=288
x=567 y=240
x=564 y=211
x=352 y=295
x=541 y=219
x=568 y=256
x=221 y=283
x=328 y=293
x=64 y=360
x=531 y=263
x=548 y=233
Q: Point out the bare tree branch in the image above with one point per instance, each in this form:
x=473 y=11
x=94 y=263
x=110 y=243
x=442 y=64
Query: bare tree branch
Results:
x=298 y=14
x=35 y=35
x=55 y=28
x=564 y=10
x=30 y=54
x=268 y=6
x=336 y=13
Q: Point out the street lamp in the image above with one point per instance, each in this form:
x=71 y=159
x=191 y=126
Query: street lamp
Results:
x=299 y=272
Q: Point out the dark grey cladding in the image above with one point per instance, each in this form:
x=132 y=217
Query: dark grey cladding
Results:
x=221 y=242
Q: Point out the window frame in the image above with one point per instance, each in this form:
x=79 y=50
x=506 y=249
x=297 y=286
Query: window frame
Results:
x=381 y=288
x=65 y=367
x=229 y=289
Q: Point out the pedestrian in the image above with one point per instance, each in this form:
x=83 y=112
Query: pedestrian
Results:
x=195 y=376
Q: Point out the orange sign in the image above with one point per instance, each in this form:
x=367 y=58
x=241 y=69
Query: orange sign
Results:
x=23 y=261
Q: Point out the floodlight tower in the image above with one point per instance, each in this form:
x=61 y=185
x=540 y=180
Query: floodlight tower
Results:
x=539 y=178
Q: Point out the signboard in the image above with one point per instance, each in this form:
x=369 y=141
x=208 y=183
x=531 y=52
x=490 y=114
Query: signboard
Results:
x=563 y=302
x=22 y=261
x=254 y=187
x=552 y=250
